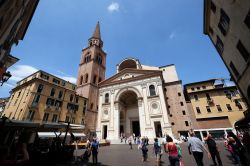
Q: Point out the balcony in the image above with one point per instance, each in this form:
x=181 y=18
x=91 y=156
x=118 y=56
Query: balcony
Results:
x=210 y=101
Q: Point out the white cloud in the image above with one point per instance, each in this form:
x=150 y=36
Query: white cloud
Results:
x=113 y=7
x=9 y=85
x=21 y=71
x=68 y=78
x=172 y=35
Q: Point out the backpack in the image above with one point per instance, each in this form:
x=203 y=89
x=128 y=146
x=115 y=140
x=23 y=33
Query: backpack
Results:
x=179 y=150
x=157 y=148
x=94 y=146
x=144 y=148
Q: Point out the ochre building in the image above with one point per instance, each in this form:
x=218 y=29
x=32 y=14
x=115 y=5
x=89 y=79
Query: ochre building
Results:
x=44 y=98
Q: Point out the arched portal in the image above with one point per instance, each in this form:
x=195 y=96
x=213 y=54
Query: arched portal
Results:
x=129 y=113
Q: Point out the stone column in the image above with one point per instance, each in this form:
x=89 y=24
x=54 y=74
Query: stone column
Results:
x=99 y=126
x=141 y=117
x=145 y=109
x=112 y=109
x=116 y=121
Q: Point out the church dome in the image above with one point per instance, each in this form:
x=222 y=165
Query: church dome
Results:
x=129 y=63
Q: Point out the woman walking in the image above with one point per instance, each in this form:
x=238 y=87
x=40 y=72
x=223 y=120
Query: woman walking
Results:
x=172 y=151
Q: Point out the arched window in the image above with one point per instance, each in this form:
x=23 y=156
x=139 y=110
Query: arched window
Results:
x=71 y=98
x=106 y=98
x=99 y=59
x=94 y=79
x=87 y=58
x=86 y=78
x=81 y=80
x=152 y=90
x=100 y=79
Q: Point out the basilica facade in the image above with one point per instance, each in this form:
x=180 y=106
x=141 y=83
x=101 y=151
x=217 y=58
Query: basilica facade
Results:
x=137 y=100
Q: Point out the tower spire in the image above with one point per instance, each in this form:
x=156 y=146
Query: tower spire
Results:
x=97 y=33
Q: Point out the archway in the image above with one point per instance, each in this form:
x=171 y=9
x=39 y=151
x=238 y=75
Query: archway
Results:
x=129 y=113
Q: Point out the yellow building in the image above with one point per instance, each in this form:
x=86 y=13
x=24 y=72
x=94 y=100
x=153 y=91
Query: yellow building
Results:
x=215 y=105
x=227 y=24
x=44 y=98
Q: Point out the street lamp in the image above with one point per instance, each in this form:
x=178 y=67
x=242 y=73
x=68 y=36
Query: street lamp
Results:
x=5 y=77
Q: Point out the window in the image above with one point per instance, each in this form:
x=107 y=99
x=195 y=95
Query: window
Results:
x=60 y=94
x=106 y=98
x=186 y=123
x=94 y=79
x=219 y=45
x=243 y=51
x=224 y=22
x=81 y=80
x=19 y=93
x=31 y=115
x=196 y=97
x=219 y=108
x=44 y=76
x=179 y=94
x=86 y=78
x=198 y=88
x=208 y=96
x=211 y=31
x=208 y=109
x=36 y=99
x=40 y=88
x=91 y=106
x=87 y=58
x=67 y=119
x=247 y=20
x=198 y=110
x=152 y=90
x=100 y=79
x=54 y=118
x=171 y=115
x=181 y=103
x=169 y=106
x=172 y=123
x=234 y=70
x=56 y=81
x=71 y=98
x=203 y=87
x=45 y=117
x=63 y=83
x=52 y=92
x=165 y=89
x=99 y=59
x=213 y=7
x=229 y=108
x=50 y=102
x=237 y=103
x=192 y=89
x=84 y=107
x=183 y=112
x=77 y=99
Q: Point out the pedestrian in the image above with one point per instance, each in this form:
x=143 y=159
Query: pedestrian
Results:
x=144 y=150
x=213 y=149
x=172 y=151
x=130 y=142
x=196 y=147
x=157 y=150
x=235 y=150
x=94 y=149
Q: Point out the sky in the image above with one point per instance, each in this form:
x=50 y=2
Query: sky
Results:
x=157 y=32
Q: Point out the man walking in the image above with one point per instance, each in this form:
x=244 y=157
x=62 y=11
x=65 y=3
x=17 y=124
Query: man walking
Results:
x=196 y=147
x=213 y=149
x=94 y=149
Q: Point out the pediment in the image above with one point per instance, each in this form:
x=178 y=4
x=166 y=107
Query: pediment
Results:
x=130 y=75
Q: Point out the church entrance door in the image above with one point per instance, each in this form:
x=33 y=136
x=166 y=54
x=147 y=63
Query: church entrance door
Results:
x=129 y=114
x=136 y=128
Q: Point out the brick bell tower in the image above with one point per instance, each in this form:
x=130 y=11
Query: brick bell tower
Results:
x=91 y=71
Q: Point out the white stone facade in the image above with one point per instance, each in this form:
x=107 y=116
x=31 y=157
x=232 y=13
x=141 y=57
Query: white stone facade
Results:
x=148 y=110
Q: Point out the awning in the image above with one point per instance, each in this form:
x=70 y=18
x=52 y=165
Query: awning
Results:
x=54 y=134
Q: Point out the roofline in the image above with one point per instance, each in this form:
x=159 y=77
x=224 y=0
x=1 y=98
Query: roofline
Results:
x=46 y=73
x=25 y=30
x=205 y=16
x=167 y=65
x=199 y=82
